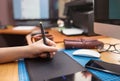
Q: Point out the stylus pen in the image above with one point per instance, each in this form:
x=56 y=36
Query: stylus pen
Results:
x=44 y=39
x=43 y=33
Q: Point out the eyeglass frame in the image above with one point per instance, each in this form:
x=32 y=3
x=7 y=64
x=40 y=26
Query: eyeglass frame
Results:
x=108 y=49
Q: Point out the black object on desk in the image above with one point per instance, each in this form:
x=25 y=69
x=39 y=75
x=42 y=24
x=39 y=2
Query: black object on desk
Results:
x=61 y=65
x=78 y=76
x=80 y=14
x=104 y=66
x=2 y=27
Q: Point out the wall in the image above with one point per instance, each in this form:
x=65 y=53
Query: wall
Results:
x=61 y=7
x=6 y=18
x=6 y=12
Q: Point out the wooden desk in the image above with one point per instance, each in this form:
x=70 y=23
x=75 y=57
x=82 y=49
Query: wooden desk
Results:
x=105 y=56
x=13 y=31
x=11 y=37
x=9 y=72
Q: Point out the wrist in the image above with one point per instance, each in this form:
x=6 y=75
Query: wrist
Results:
x=27 y=52
x=32 y=51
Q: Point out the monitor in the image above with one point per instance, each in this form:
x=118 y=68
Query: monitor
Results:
x=30 y=12
x=114 y=9
x=107 y=16
x=107 y=11
x=35 y=9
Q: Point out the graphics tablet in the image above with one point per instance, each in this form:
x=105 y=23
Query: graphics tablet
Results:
x=60 y=65
x=78 y=76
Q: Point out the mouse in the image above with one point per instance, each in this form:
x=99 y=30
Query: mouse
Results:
x=72 y=31
x=87 y=53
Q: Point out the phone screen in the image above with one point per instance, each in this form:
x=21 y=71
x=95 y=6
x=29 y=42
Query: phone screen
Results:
x=79 y=76
x=104 y=66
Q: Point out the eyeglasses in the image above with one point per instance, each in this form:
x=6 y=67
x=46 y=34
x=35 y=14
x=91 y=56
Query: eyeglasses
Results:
x=109 y=48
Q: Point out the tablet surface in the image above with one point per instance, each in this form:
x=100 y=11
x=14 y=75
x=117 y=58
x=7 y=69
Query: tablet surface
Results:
x=61 y=64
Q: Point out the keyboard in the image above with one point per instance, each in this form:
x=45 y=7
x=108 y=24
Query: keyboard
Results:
x=49 y=25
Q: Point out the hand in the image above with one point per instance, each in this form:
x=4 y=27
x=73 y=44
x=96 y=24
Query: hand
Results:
x=38 y=48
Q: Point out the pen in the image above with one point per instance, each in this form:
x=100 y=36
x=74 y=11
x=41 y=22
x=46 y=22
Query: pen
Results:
x=44 y=40
x=43 y=33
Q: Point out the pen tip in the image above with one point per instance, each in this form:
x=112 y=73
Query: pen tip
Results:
x=40 y=22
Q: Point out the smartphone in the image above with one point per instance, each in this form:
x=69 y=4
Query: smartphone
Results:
x=104 y=66
x=78 y=76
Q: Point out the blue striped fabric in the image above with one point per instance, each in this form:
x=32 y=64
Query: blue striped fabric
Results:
x=22 y=72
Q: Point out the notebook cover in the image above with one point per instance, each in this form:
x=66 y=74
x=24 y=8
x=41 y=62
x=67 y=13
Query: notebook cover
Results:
x=61 y=64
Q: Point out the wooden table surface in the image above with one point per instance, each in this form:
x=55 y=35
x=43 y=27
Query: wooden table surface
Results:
x=17 y=31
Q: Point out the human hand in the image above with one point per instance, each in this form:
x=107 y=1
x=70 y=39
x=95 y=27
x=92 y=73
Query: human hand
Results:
x=39 y=49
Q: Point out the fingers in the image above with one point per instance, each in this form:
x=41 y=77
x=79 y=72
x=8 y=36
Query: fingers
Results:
x=42 y=48
x=44 y=55
x=51 y=47
x=52 y=54
x=50 y=42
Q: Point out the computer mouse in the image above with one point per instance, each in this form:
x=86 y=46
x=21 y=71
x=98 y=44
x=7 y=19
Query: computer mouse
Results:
x=87 y=53
x=72 y=31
